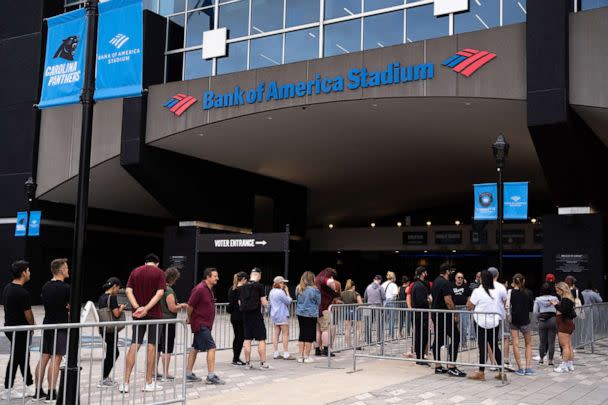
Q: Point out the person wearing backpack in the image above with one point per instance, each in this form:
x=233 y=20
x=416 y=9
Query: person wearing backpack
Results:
x=251 y=299
x=236 y=317
x=109 y=300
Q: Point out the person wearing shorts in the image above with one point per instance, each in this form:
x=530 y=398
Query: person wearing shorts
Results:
x=308 y=299
x=201 y=314
x=251 y=298
x=520 y=306
x=325 y=283
x=280 y=300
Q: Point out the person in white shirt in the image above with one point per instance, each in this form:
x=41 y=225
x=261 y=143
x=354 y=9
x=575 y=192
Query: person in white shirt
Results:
x=391 y=290
x=506 y=336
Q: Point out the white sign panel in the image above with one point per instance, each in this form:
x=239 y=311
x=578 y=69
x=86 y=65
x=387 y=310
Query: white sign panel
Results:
x=214 y=43
x=443 y=7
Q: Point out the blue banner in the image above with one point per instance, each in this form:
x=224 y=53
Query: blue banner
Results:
x=21 y=224
x=119 y=49
x=516 y=200
x=486 y=202
x=63 y=74
x=34 y=223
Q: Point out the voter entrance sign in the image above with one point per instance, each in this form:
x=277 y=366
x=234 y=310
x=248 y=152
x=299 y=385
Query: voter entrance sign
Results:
x=231 y=242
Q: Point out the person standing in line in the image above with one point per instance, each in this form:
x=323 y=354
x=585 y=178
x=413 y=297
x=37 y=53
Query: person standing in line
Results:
x=390 y=291
x=506 y=335
x=308 y=300
x=252 y=298
x=487 y=300
x=421 y=300
x=17 y=312
x=461 y=293
x=145 y=288
x=571 y=281
x=56 y=300
x=591 y=295
x=547 y=326
x=374 y=295
x=280 y=300
x=201 y=314
x=170 y=309
x=472 y=286
x=445 y=325
x=236 y=317
x=325 y=282
x=109 y=299
x=404 y=320
x=565 y=325
x=521 y=306
x=352 y=323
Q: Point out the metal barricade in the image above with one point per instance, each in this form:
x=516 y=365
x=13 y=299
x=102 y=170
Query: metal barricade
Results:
x=99 y=346
x=591 y=325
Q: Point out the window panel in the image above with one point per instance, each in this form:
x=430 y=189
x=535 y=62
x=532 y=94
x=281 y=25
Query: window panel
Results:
x=341 y=38
x=151 y=5
x=301 y=12
x=172 y=6
x=196 y=66
x=193 y=4
x=198 y=22
x=266 y=51
x=302 y=45
x=176 y=32
x=341 y=8
x=383 y=30
x=266 y=15
x=235 y=17
x=514 y=11
x=421 y=24
x=482 y=15
x=590 y=4
x=235 y=60
x=370 y=5
x=175 y=65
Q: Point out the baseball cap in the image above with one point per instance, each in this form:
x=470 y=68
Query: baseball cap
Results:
x=377 y=277
x=420 y=270
x=111 y=282
x=256 y=270
x=493 y=271
x=550 y=278
x=279 y=279
x=241 y=275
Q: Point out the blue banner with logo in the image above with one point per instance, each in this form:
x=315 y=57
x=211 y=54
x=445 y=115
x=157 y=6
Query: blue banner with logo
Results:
x=21 y=224
x=486 y=202
x=516 y=200
x=33 y=228
x=119 y=49
x=63 y=73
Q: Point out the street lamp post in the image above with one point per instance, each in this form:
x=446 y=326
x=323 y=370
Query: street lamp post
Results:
x=30 y=193
x=500 y=148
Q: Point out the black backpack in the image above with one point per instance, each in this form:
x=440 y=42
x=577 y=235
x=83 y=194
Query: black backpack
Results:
x=249 y=297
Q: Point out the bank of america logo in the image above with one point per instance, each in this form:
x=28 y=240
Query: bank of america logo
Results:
x=468 y=61
x=119 y=40
x=179 y=103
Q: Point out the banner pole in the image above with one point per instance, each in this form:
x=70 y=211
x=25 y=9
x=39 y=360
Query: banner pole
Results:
x=286 y=269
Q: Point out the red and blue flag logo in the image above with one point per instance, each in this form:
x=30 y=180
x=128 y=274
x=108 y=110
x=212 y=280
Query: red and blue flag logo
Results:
x=179 y=103
x=468 y=61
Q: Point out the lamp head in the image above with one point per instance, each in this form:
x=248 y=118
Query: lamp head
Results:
x=500 y=148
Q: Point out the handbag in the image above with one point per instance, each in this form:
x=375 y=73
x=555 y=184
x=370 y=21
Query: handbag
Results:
x=578 y=306
x=106 y=315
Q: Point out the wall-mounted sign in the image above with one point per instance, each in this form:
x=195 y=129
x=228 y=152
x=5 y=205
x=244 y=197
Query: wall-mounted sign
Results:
x=448 y=237
x=513 y=236
x=414 y=238
x=257 y=242
x=571 y=262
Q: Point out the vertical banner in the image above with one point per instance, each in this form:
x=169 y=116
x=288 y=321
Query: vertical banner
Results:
x=119 y=49
x=63 y=73
x=33 y=228
x=486 y=204
x=516 y=200
x=21 y=224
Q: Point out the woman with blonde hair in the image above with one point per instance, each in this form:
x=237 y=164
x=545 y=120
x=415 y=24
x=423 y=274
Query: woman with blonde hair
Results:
x=307 y=309
x=565 y=325
x=351 y=296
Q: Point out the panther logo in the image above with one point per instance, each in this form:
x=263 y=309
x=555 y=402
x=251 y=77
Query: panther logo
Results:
x=67 y=48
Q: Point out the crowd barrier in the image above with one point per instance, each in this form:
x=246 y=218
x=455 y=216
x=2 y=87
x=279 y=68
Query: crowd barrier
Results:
x=27 y=342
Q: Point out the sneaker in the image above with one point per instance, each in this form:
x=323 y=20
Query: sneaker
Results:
x=540 y=362
x=30 y=391
x=570 y=367
x=39 y=394
x=454 y=372
x=477 y=375
x=288 y=357
x=317 y=351
x=326 y=353
x=124 y=388
x=300 y=359
x=264 y=366
x=159 y=377
x=537 y=358
x=309 y=360
x=520 y=371
x=530 y=371
x=214 y=380
x=422 y=363
x=238 y=363
x=494 y=368
x=440 y=370
x=191 y=377
x=562 y=368
x=51 y=396
x=550 y=363
x=153 y=387
x=13 y=394
x=106 y=383
x=276 y=355
x=248 y=366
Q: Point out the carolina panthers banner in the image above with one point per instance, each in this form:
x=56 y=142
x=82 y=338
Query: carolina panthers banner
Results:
x=64 y=62
x=486 y=202
x=516 y=200
x=119 y=49
x=21 y=224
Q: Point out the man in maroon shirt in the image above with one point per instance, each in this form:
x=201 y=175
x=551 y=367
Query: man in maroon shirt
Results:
x=201 y=314
x=326 y=284
x=145 y=288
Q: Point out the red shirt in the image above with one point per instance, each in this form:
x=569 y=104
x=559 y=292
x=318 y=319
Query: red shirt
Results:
x=145 y=282
x=327 y=294
x=202 y=302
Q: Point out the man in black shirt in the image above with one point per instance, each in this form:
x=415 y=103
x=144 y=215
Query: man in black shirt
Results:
x=444 y=323
x=18 y=311
x=461 y=293
x=251 y=298
x=56 y=299
x=420 y=300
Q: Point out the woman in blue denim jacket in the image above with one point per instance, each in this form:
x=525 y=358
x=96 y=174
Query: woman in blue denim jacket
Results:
x=307 y=310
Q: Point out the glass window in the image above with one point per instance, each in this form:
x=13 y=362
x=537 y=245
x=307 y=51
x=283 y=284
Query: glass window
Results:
x=175 y=64
x=370 y=5
x=196 y=66
x=422 y=24
x=341 y=8
x=235 y=60
x=172 y=6
x=192 y=4
x=176 y=32
x=302 y=45
x=589 y=4
x=514 y=11
x=266 y=15
x=383 y=30
x=151 y=5
x=266 y=51
x=301 y=12
x=198 y=22
x=235 y=17
x=341 y=38
x=482 y=15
